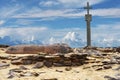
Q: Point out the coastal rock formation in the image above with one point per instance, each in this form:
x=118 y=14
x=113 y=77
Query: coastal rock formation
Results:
x=34 y=49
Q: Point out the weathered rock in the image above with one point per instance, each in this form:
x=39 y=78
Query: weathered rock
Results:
x=68 y=68
x=100 y=68
x=4 y=64
x=48 y=63
x=15 y=70
x=23 y=68
x=58 y=64
x=38 y=65
x=16 y=62
x=35 y=74
x=59 y=71
x=34 y=49
x=4 y=57
x=26 y=74
x=110 y=78
x=107 y=66
x=67 y=63
x=118 y=68
x=11 y=74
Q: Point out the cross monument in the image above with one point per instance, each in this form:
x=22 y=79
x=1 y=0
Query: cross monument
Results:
x=88 y=19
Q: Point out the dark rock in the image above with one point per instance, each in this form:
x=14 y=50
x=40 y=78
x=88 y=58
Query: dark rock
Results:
x=107 y=66
x=27 y=62
x=59 y=71
x=58 y=64
x=68 y=68
x=67 y=63
x=16 y=62
x=110 y=78
x=4 y=57
x=48 y=63
x=4 y=62
x=23 y=68
x=35 y=74
x=99 y=69
x=16 y=70
x=38 y=65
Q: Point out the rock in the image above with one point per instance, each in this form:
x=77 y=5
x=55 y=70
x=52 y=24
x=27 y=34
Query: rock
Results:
x=38 y=65
x=110 y=78
x=26 y=74
x=27 y=62
x=35 y=74
x=16 y=58
x=68 y=68
x=23 y=68
x=16 y=62
x=118 y=49
x=16 y=70
x=99 y=69
x=67 y=63
x=4 y=57
x=34 y=49
x=117 y=68
x=107 y=66
x=50 y=79
x=4 y=64
x=11 y=74
x=48 y=63
x=58 y=64
x=59 y=71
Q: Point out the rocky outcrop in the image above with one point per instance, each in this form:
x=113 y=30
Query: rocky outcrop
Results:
x=34 y=49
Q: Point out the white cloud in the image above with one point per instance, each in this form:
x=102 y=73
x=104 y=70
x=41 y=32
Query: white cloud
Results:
x=2 y=22
x=79 y=3
x=48 y=3
x=7 y=12
x=23 y=33
x=108 y=34
x=67 y=13
x=110 y=12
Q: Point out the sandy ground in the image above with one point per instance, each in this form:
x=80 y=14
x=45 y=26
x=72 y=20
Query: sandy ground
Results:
x=76 y=73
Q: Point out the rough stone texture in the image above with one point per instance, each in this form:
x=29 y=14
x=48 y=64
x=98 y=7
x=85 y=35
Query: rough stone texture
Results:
x=34 y=49
x=16 y=62
x=38 y=65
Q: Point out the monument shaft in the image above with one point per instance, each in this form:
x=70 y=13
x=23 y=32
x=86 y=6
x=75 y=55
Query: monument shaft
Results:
x=88 y=18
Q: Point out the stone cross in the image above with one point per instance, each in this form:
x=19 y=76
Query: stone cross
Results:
x=88 y=18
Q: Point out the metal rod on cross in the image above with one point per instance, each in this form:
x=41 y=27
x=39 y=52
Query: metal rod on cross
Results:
x=88 y=19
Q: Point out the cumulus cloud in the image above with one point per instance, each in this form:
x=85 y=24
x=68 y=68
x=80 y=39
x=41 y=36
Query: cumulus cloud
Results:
x=23 y=33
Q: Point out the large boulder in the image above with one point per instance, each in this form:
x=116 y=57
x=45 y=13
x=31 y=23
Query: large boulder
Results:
x=34 y=49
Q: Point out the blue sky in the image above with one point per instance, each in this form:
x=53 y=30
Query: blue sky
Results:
x=48 y=19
